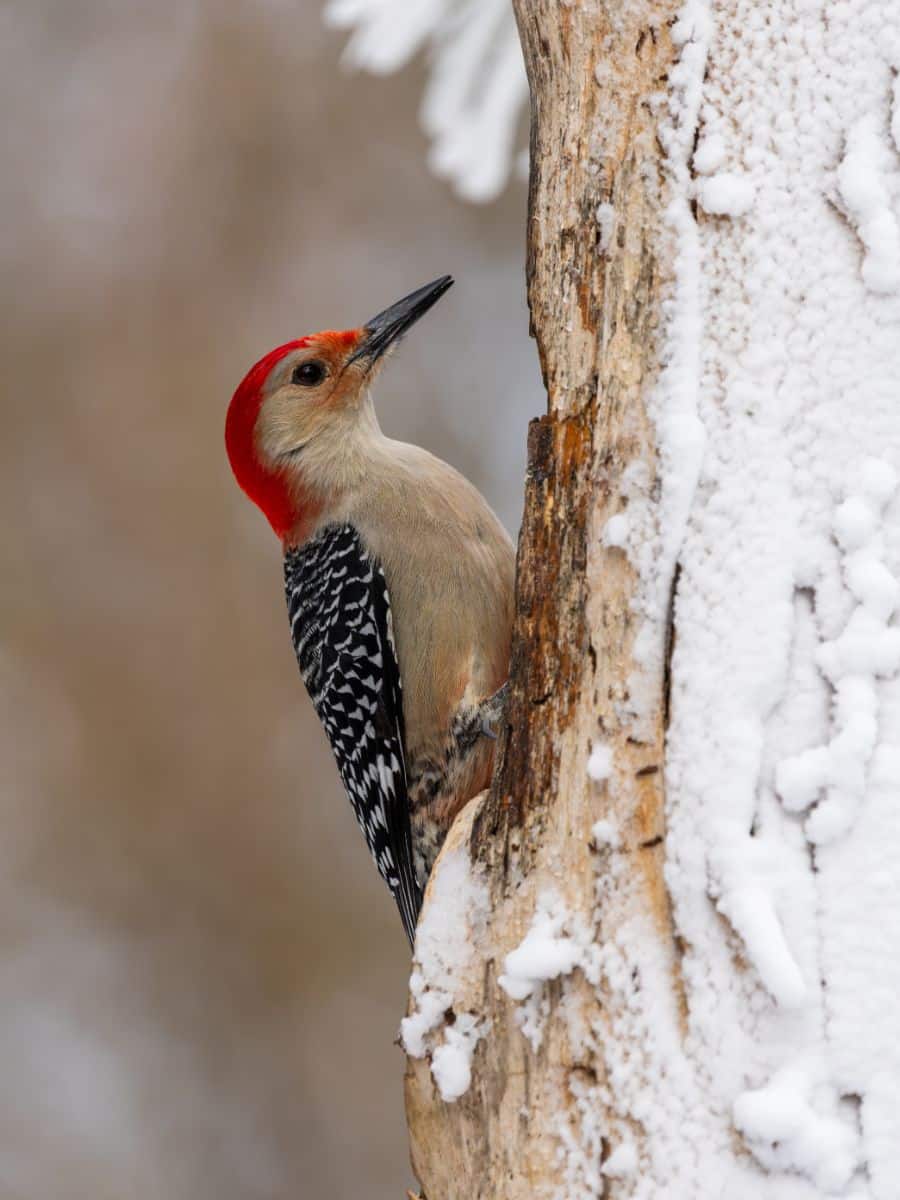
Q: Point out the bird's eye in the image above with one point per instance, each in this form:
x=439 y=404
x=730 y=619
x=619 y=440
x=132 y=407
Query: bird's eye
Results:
x=308 y=374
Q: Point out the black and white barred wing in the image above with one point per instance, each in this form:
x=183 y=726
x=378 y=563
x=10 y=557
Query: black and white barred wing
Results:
x=340 y=614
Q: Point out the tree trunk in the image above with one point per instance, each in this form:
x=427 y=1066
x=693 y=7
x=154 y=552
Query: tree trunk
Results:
x=646 y=965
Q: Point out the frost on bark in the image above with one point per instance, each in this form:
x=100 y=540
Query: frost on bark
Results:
x=661 y=958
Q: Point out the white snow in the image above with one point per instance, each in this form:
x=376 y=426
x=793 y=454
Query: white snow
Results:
x=604 y=833
x=544 y=953
x=867 y=177
x=778 y=421
x=615 y=532
x=444 y=946
x=581 y=1143
x=787 y=1132
x=726 y=195
x=556 y=942
x=622 y=1162
x=600 y=762
x=680 y=432
x=709 y=155
x=865 y=649
x=854 y=522
x=451 y=1062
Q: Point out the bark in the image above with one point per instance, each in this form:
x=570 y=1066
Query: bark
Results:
x=718 y=1009
x=594 y=295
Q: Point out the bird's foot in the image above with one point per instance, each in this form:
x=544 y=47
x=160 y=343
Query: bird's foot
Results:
x=491 y=711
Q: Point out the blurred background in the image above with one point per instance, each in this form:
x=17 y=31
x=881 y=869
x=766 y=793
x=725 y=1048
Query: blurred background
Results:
x=201 y=976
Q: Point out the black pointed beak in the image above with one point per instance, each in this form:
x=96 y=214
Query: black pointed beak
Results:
x=382 y=331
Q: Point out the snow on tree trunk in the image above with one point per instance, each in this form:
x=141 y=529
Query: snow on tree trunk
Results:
x=662 y=958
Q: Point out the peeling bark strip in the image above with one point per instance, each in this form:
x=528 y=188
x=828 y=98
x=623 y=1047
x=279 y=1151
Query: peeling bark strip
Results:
x=593 y=294
x=551 y=640
x=596 y=253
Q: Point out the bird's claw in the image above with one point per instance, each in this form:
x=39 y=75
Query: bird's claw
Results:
x=492 y=712
x=487 y=730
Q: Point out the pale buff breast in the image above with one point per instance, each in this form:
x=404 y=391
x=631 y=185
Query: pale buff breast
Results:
x=450 y=571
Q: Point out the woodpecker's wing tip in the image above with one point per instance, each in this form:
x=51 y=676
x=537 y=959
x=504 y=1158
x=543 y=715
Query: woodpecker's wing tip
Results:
x=410 y=919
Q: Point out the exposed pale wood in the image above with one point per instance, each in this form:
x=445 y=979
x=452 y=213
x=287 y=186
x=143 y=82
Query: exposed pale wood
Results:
x=595 y=312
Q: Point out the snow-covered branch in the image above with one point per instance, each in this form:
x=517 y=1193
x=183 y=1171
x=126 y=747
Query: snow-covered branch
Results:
x=476 y=89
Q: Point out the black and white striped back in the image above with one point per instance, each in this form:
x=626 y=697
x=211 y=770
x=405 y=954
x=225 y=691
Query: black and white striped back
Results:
x=340 y=615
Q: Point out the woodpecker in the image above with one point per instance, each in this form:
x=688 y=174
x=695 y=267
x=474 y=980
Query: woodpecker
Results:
x=399 y=584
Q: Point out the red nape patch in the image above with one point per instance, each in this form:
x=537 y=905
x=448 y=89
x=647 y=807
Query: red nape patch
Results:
x=265 y=487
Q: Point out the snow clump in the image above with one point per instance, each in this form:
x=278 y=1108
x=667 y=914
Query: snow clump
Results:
x=600 y=763
x=456 y=910
x=726 y=195
x=556 y=943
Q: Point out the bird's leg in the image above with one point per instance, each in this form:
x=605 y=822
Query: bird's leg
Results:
x=476 y=721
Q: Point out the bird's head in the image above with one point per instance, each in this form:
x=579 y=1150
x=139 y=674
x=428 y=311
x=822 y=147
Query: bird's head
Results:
x=303 y=402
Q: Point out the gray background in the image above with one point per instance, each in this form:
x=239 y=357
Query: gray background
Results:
x=200 y=975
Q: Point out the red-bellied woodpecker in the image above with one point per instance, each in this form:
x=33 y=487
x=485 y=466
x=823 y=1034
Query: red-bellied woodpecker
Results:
x=399 y=583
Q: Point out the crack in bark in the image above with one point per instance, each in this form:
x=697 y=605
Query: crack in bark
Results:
x=669 y=645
